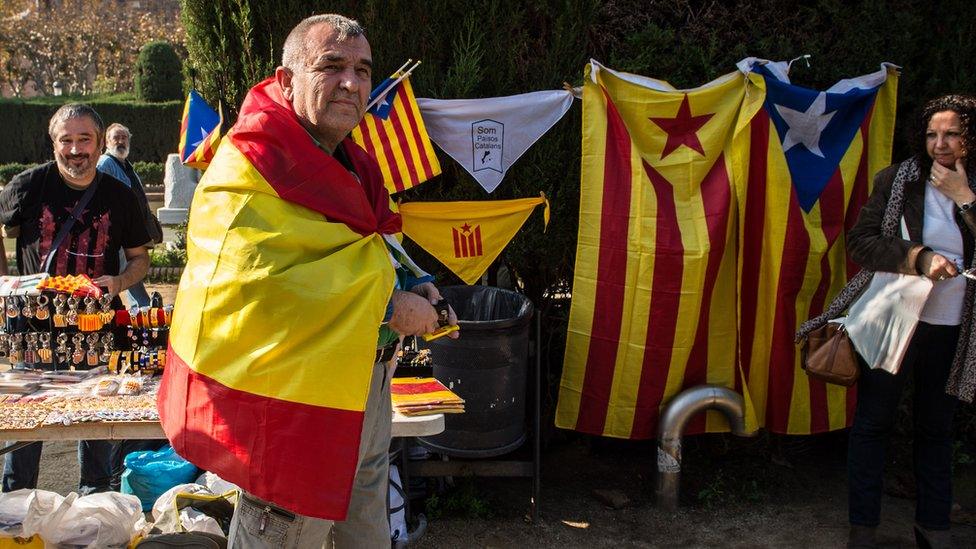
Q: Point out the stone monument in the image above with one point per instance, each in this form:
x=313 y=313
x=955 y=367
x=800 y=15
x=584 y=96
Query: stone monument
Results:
x=179 y=183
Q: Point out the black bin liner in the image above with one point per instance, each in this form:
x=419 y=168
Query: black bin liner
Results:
x=487 y=367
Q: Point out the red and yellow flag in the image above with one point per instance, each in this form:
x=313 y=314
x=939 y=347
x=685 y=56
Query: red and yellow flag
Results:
x=654 y=307
x=200 y=131
x=812 y=157
x=398 y=141
x=278 y=310
x=467 y=236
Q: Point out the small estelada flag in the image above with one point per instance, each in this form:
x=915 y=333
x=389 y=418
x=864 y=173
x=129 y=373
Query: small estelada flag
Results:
x=200 y=131
x=467 y=236
x=393 y=132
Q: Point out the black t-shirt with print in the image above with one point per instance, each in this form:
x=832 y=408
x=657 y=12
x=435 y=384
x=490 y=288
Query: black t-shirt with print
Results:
x=39 y=202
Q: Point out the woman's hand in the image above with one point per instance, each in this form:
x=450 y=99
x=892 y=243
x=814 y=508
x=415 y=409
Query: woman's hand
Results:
x=954 y=184
x=936 y=266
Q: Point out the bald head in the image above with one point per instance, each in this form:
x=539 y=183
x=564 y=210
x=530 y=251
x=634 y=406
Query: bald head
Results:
x=295 y=51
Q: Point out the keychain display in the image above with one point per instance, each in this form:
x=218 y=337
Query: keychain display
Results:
x=81 y=330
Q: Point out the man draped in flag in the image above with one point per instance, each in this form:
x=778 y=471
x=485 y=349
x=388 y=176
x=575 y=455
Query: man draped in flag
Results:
x=288 y=312
x=811 y=158
x=200 y=131
x=654 y=308
x=393 y=133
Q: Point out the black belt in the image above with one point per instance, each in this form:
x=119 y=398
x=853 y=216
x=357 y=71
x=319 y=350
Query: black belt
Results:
x=385 y=354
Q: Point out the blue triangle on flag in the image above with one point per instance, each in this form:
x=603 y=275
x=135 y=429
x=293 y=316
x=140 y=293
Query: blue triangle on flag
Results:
x=816 y=130
x=382 y=109
x=201 y=119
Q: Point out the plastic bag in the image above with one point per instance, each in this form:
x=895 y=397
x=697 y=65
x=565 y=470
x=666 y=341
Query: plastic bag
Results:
x=107 y=519
x=13 y=510
x=216 y=484
x=164 y=511
x=194 y=508
x=149 y=474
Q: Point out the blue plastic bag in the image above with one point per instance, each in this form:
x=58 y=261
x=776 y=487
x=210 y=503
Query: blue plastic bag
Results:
x=148 y=474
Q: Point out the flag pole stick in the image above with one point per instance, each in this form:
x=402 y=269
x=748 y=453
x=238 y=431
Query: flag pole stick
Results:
x=406 y=73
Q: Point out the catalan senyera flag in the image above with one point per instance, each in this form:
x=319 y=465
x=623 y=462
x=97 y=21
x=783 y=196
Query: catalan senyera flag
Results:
x=278 y=312
x=467 y=236
x=393 y=132
x=654 y=307
x=200 y=131
x=813 y=155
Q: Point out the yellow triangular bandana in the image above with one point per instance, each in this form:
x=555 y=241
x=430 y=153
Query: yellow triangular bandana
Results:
x=467 y=236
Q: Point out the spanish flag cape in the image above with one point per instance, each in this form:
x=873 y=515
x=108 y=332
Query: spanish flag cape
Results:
x=277 y=313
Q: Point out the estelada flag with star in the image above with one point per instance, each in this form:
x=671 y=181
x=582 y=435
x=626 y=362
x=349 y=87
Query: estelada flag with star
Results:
x=200 y=131
x=654 y=308
x=467 y=236
x=393 y=132
x=813 y=155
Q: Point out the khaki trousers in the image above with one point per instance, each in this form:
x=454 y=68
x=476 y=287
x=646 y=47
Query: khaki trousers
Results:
x=258 y=524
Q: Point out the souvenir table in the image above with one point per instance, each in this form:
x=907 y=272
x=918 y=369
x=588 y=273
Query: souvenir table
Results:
x=92 y=371
x=78 y=414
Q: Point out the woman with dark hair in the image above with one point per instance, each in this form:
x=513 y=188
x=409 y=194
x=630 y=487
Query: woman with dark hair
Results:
x=937 y=195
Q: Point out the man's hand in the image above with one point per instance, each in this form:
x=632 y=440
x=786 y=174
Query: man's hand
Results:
x=412 y=314
x=112 y=283
x=137 y=265
x=433 y=295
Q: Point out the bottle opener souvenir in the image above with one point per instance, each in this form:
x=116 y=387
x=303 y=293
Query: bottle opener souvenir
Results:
x=72 y=316
x=62 y=349
x=91 y=319
x=92 y=354
x=4 y=349
x=16 y=353
x=60 y=320
x=30 y=354
x=28 y=310
x=47 y=356
x=107 y=314
x=78 y=353
x=42 y=312
x=108 y=346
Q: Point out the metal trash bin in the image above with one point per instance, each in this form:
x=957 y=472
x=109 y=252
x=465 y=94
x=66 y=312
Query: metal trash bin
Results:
x=487 y=367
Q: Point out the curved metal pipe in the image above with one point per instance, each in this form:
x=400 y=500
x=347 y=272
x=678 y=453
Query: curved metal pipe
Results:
x=675 y=417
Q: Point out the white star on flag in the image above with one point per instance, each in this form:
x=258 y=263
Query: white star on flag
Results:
x=203 y=135
x=805 y=127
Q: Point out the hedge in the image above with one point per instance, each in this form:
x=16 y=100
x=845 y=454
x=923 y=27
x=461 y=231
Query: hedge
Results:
x=155 y=128
x=151 y=173
x=158 y=73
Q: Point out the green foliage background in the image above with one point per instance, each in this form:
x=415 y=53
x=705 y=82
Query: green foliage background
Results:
x=155 y=127
x=159 y=73
x=484 y=49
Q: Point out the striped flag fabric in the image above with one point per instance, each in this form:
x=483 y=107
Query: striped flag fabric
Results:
x=812 y=157
x=200 y=131
x=278 y=312
x=393 y=132
x=654 y=306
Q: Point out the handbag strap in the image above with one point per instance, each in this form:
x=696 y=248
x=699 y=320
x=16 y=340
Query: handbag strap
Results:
x=68 y=223
x=908 y=171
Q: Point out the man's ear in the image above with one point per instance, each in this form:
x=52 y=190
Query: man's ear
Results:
x=283 y=78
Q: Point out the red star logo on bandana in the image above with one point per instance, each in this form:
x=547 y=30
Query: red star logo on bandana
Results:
x=682 y=129
x=466 y=228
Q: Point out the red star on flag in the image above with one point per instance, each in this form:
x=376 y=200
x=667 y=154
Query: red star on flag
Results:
x=466 y=228
x=682 y=129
